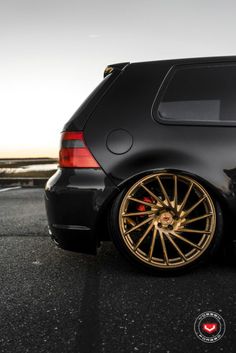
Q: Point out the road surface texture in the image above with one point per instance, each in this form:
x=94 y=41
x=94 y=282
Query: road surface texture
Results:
x=58 y=301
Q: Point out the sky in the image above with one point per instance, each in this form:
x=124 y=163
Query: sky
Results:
x=53 y=54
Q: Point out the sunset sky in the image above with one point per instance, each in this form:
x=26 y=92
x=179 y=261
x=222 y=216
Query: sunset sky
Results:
x=53 y=53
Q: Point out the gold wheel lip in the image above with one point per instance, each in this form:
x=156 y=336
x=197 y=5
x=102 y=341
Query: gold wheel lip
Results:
x=198 y=252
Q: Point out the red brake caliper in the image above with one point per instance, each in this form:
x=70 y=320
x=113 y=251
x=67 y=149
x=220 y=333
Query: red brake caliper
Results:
x=143 y=208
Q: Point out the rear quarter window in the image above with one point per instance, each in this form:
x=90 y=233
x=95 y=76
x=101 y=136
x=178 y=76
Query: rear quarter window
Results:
x=198 y=94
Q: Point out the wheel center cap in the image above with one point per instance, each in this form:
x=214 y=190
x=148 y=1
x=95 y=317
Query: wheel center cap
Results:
x=166 y=218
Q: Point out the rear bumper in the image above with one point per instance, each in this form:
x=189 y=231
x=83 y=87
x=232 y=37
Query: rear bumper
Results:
x=76 y=202
x=234 y=250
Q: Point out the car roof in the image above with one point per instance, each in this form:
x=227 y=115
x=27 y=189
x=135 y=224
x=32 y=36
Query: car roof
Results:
x=179 y=61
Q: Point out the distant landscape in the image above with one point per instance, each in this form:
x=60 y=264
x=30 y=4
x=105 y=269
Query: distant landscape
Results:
x=27 y=167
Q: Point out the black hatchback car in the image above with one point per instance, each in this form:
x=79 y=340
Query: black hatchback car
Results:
x=149 y=161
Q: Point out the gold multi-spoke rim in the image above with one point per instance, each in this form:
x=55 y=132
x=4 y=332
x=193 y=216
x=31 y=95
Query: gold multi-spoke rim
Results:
x=167 y=220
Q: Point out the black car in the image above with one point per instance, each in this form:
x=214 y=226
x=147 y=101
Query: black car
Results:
x=149 y=161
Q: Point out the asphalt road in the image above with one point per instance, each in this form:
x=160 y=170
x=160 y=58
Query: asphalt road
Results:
x=57 y=301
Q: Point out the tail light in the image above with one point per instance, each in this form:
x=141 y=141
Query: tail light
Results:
x=74 y=153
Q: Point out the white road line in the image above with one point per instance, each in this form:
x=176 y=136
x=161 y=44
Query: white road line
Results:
x=13 y=188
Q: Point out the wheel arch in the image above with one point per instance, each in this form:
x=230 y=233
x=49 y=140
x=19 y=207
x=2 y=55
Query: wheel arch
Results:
x=212 y=189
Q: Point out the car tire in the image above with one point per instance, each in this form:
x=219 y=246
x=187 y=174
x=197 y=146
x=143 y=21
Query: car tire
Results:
x=205 y=244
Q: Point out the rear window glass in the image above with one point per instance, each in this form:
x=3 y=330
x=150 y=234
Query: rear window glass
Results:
x=203 y=93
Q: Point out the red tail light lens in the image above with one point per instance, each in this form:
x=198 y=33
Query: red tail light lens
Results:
x=74 y=153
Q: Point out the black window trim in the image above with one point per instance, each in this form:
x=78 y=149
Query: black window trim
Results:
x=163 y=88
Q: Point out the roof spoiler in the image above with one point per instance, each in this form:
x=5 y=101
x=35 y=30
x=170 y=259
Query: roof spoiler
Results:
x=114 y=67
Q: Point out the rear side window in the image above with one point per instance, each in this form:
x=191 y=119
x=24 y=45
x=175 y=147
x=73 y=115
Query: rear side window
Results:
x=204 y=94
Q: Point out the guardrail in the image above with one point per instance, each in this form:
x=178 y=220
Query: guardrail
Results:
x=24 y=181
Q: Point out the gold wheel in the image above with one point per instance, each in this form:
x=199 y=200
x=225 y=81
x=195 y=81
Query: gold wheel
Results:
x=167 y=220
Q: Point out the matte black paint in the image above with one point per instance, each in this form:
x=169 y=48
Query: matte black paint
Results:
x=119 y=141
x=78 y=120
x=208 y=153
x=76 y=201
